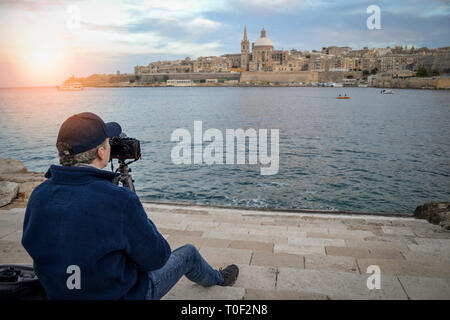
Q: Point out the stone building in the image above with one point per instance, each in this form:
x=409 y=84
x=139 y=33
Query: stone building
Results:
x=263 y=56
x=211 y=64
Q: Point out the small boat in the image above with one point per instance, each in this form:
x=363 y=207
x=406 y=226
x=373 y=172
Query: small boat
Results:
x=342 y=97
x=384 y=91
x=73 y=86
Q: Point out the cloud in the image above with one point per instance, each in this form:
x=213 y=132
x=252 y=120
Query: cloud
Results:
x=33 y=5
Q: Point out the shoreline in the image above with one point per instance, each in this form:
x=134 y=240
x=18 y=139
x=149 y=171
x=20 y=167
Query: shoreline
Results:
x=283 y=211
x=225 y=86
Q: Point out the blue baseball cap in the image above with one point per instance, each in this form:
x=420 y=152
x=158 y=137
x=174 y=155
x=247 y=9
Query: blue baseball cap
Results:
x=85 y=131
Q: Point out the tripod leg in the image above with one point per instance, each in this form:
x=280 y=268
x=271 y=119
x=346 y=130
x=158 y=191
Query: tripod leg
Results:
x=128 y=182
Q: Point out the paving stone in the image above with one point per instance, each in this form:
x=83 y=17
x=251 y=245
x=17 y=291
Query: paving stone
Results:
x=376 y=244
x=422 y=288
x=307 y=229
x=276 y=229
x=229 y=219
x=170 y=225
x=349 y=252
x=404 y=231
x=261 y=258
x=265 y=236
x=201 y=225
x=258 y=294
x=316 y=242
x=432 y=232
x=339 y=235
x=252 y=245
x=226 y=235
x=175 y=232
x=13 y=237
x=6 y=229
x=178 y=241
x=298 y=249
x=426 y=257
x=406 y=268
x=332 y=263
x=337 y=284
x=221 y=257
x=187 y=290
x=13 y=252
x=441 y=244
x=273 y=234
x=233 y=227
x=256 y=277
x=428 y=248
x=385 y=253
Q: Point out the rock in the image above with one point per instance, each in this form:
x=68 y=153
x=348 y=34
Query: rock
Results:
x=436 y=213
x=8 y=165
x=8 y=191
x=26 y=188
x=23 y=177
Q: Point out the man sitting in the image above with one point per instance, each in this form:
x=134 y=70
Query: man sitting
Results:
x=91 y=239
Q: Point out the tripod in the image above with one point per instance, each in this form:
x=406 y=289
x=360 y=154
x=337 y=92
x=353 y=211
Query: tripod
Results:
x=125 y=176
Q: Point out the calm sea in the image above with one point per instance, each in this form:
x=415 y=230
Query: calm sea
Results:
x=374 y=152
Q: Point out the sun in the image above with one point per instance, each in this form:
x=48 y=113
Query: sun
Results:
x=43 y=58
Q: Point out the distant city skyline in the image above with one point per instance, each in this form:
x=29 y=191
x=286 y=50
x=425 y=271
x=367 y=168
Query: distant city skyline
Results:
x=44 y=42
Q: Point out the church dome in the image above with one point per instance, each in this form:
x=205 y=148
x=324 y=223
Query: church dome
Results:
x=263 y=40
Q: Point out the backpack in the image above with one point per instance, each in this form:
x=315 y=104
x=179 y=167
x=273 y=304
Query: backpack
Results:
x=19 y=282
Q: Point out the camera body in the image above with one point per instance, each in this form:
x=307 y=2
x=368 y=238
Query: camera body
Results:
x=123 y=148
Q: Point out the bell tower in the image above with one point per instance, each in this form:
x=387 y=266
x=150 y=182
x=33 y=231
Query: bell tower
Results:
x=245 y=50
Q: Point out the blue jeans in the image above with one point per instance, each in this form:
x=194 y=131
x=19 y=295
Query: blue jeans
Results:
x=187 y=261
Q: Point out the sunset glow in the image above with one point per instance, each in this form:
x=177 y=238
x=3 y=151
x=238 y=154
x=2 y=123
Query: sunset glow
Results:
x=43 y=43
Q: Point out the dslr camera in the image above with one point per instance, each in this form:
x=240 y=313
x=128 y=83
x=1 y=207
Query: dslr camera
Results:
x=123 y=148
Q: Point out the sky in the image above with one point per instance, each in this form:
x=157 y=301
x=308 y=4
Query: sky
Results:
x=44 y=42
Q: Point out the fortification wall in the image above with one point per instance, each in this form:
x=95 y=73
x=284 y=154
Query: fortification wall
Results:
x=299 y=76
x=162 y=77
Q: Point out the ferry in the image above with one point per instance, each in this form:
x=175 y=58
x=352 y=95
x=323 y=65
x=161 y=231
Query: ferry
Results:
x=73 y=86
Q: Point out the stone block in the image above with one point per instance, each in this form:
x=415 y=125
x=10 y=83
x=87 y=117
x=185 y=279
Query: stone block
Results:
x=256 y=277
x=332 y=263
x=404 y=231
x=423 y=288
x=385 y=253
x=406 y=268
x=258 y=294
x=198 y=242
x=181 y=233
x=359 y=235
x=227 y=235
x=349 y=252
x=6 y=229
x=298 y=249
x=426 y=257
x=201 y=225
x=188 y=290
x=251 y=245
x=13 y=237
x=337 y=284
x=399 y=245
x=260 y=258
x=316 y=242
x=221 y=257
